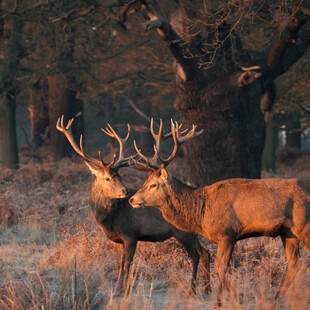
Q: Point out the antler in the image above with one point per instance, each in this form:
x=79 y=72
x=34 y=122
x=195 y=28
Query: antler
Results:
x=152 y=163
x=156 y=161
x=178 y=140
x=68 y=133
x=122 y=161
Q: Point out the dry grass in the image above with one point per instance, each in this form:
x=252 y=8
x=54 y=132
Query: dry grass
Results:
x=52 y=256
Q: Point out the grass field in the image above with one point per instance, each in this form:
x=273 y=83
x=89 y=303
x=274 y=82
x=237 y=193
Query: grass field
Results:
x=52 y=256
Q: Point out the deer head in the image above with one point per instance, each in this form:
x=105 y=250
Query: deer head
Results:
x=156 y=188
x=106 y=173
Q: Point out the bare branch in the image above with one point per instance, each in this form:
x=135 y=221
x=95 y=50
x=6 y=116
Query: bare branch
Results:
x=301 y=107
x=13 y=10
x=177 y=46
x=140 y=112
x=108 y=4
x=290 y=47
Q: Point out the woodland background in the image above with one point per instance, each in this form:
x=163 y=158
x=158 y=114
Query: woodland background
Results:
x=90 y=59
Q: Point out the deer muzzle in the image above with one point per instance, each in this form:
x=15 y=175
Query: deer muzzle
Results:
x=124 y=193
x=136 y=202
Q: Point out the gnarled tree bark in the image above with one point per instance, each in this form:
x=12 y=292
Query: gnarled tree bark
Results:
x=222 y=100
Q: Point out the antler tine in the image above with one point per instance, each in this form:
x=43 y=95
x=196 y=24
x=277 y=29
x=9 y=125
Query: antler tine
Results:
x=139 y=152
x=157 y=137
x=68 y=133
x=149 y=163
x=112 y=162
x=156 y=161
x=178 y=140
x=140 y=166
x=69 y=122
x=81 y=146
x=128 y=132
x=103 y=164
x=108 y=132
x=100 y=157
x=167 y=161
x=166 y=136
x=122 y=161
x=191 y=134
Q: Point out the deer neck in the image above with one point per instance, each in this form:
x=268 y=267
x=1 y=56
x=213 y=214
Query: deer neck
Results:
x=101 y=205
x=183 y=206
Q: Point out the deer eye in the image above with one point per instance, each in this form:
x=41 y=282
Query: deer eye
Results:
x=107 y=179
x=153 y=185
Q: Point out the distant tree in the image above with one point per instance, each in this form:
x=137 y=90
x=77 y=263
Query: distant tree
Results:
x=11 y=54
x=53 y=58
x=37 y=51
x=79 y=47
x=54 y=52
x=38 y=111
x=271 y=141
x=293 y=130
x=19 y=41
x=108 y=57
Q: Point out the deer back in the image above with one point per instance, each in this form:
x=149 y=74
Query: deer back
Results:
x=254 y=207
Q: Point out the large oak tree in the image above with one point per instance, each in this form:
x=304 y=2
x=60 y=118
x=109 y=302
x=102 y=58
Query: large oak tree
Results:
x=215 y=91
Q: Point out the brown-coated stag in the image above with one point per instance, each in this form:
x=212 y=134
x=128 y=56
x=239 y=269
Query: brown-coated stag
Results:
x=124 y=225
x=229 y=210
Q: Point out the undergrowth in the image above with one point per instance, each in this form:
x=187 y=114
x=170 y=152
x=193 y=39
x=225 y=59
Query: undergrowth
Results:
x=53 y=256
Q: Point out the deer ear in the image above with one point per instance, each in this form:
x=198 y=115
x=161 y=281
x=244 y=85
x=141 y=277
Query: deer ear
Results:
x=92 y=169
x=164 y=174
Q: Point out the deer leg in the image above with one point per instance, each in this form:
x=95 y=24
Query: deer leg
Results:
x=120 y=264
x=304 y=236
x=224 y=251
x=291 y=246
x=205 y=261
x=194 y=257
x=129 y=252
x=188 y=242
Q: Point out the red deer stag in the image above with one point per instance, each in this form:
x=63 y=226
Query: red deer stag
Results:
x=230 y=210
x=124 y=225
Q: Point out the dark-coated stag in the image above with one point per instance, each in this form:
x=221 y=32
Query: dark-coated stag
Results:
x=124 y=225
x=230 y=210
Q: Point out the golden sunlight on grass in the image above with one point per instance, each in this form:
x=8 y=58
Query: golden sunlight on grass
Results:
x=52 y=256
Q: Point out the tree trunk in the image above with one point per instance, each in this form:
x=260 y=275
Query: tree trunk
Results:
x=233 y=137
x=8 y=140
x=292 y=130
x=11 y=54
x=38 y=111
x=62 y=101
x=269 y=154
